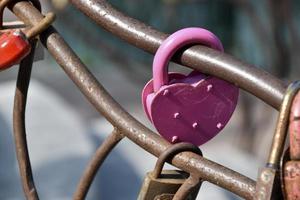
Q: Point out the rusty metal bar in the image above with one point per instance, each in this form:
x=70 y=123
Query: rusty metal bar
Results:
x=94 y=165
x=124 y=122
x=187 y=188
x=254 y=80
x=19 y=126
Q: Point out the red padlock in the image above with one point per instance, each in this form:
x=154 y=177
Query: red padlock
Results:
x=14 y=45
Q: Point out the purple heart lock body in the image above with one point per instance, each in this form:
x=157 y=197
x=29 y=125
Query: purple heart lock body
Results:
x=187 y=108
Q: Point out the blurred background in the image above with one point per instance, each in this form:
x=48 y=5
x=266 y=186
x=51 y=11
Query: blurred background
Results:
x=64 y=130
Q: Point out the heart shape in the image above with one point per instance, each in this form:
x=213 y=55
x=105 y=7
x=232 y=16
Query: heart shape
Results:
x=192 y=108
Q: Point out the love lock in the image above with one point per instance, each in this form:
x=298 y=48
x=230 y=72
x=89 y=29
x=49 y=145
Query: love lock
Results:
x=291 y=161
x=171 y=184
x=192 y=108
x=14 y=45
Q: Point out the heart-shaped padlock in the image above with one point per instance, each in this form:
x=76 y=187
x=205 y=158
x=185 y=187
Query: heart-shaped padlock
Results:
x=187 y=108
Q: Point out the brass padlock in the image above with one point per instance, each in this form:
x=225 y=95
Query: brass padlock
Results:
x=171 y=184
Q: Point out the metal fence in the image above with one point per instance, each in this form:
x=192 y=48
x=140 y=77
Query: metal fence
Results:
x=253 y=80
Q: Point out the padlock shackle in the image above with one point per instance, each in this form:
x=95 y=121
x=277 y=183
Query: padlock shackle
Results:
x=170 y=153
x=41 y=26
x=175 y=42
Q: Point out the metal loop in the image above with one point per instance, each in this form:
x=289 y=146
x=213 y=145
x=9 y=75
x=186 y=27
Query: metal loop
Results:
x=170 y=153
x=41 y=26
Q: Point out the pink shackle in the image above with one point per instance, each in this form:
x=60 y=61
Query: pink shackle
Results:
x=172 y=44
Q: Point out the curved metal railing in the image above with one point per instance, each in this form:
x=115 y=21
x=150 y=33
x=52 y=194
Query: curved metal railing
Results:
x=256 y=81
